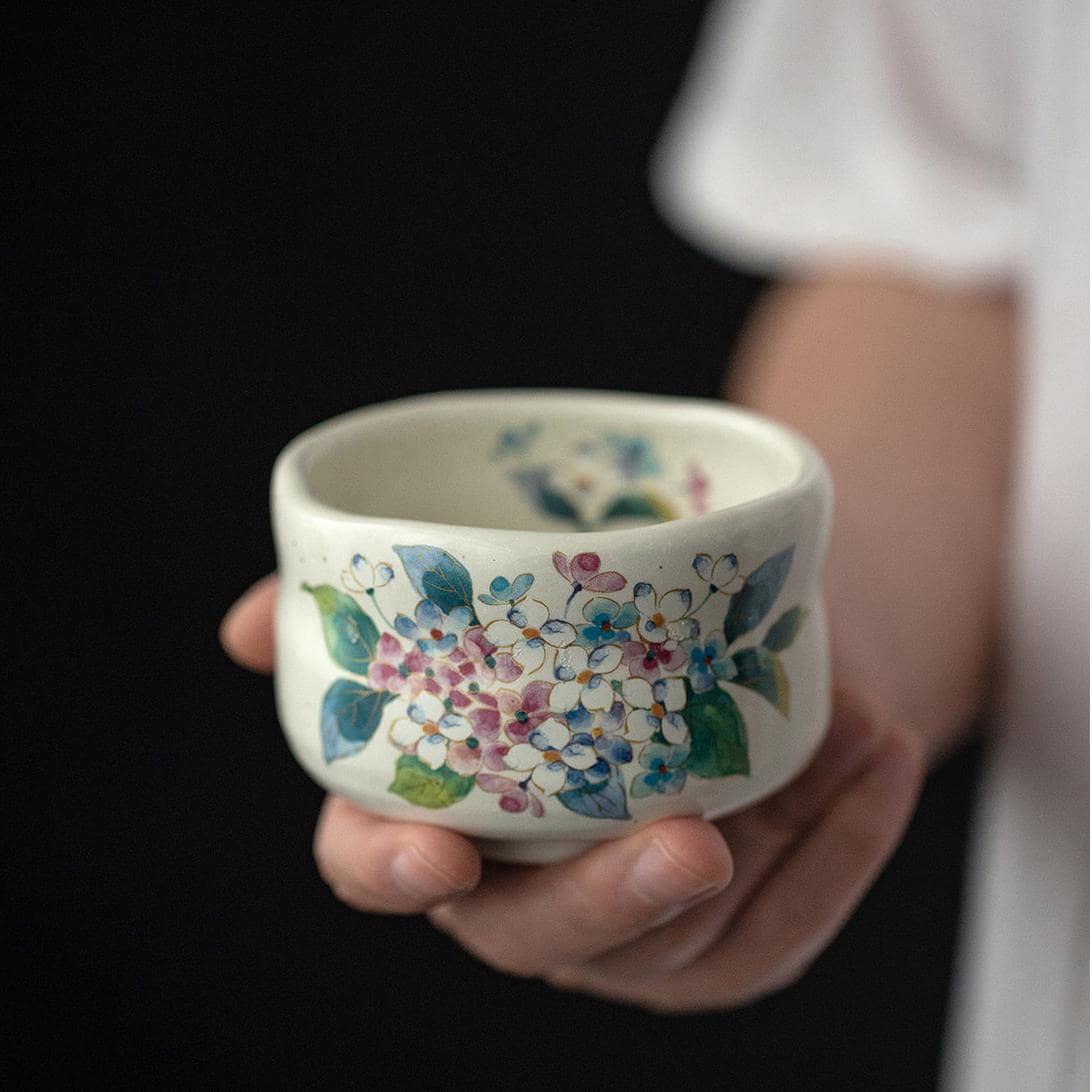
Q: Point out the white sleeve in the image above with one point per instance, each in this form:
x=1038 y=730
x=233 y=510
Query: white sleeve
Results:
x=839 y=131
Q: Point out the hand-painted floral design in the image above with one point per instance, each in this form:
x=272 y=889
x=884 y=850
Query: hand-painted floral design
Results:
x=665 y=766
x=504 y=592
x=600 y=479
x=583 y=678
x=606 y=620
x=551 y=751
x=435 y=632
x=707 y=662
x=429 y=729
x=628 y=699
x=527 y=629
x=656 y=709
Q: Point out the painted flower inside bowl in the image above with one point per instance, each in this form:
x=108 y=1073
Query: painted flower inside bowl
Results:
x=542 y=618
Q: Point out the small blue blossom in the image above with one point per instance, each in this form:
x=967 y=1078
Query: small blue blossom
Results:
x=505 y=593
x=606 y=621
x=435 y=632
x=605 y=727
x=633 y=456
x=707 y=662
x=666 y=769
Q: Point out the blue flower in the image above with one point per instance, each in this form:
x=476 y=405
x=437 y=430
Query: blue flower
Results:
x=666 y=766
x=435 y=632
x=633 y=456
x=607 y=621
x=707 y=661
x=504 y=593
x=605 y=727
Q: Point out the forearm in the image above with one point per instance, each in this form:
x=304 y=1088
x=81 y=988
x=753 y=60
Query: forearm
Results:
x=908 y=392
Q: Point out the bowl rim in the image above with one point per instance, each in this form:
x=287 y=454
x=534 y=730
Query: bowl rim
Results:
x=290 y=492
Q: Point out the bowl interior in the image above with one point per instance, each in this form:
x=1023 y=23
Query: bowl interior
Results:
x=538 y=461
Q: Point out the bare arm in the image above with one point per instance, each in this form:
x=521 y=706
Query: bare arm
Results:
x=908 y=391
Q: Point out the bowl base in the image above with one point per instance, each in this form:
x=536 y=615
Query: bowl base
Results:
x=546 y=851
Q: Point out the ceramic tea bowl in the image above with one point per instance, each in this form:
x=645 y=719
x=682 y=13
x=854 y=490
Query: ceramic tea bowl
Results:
x=543 y=618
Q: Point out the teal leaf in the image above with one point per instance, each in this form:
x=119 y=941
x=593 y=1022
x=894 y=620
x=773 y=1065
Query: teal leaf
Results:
x=783 y=632
x=350 y=715
x=753 y=601
x=607 y=800
x=436 y=575
x=351 y=636
x=425 y=787
x=718 y=736
x=536 y=484
x=762 y=671
x=638 y=506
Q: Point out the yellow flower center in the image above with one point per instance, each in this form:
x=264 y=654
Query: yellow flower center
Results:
x=530 y=633
x=585 y=676
x=430 y=729
x=658 y=619
x=597 y=732
x=657 y=709
x=551 y=756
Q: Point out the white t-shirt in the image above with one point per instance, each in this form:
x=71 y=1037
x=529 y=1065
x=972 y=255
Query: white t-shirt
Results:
x=948 y=140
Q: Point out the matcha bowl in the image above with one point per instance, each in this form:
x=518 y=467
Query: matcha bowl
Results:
x=543 y=618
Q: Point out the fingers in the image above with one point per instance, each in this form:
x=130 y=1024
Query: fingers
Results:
x=802 y=902
x=758 y=838
x=247 y=629
x=389 y=867
x=525 y=921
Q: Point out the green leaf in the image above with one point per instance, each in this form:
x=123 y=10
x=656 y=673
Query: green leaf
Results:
x=607 y=800
x=753 y=601
x=535 y=482
x=437 y=576
x=350 y=715
x=427 y=788
x=640 y=506
x=351 y=636
x=718 y=736
x=783 y=632
x=762 y=671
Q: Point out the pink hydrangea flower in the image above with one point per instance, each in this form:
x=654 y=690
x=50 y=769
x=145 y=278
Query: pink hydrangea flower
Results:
x=489 y=663
x=652 y=661
x=514 y=797
x=522 y=713
x=398 y=671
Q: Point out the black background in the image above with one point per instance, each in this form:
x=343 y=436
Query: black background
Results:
x=238 y=225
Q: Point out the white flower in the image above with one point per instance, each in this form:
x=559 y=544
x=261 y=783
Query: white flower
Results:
x=363 y=576
x=527 y=630
x=662 y=615
x=550 y=752
x=656 y=709
x=429 y=729
x=582 y=682
x=721 y=575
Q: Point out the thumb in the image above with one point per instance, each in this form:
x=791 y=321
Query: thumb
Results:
x=247 y=629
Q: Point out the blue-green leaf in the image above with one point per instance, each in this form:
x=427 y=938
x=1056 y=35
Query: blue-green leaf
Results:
x=535 y=482
x=638 y=506
x=718 y=736
x=351 y=636
x=606 y=800
x=753 y=601
x=437 y=576
x=783 y=632
x=761 y=671
x=425 y=787
x=350 y=715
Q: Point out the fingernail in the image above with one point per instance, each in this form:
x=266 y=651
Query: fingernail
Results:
x=419 y=877
x=660 y=879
